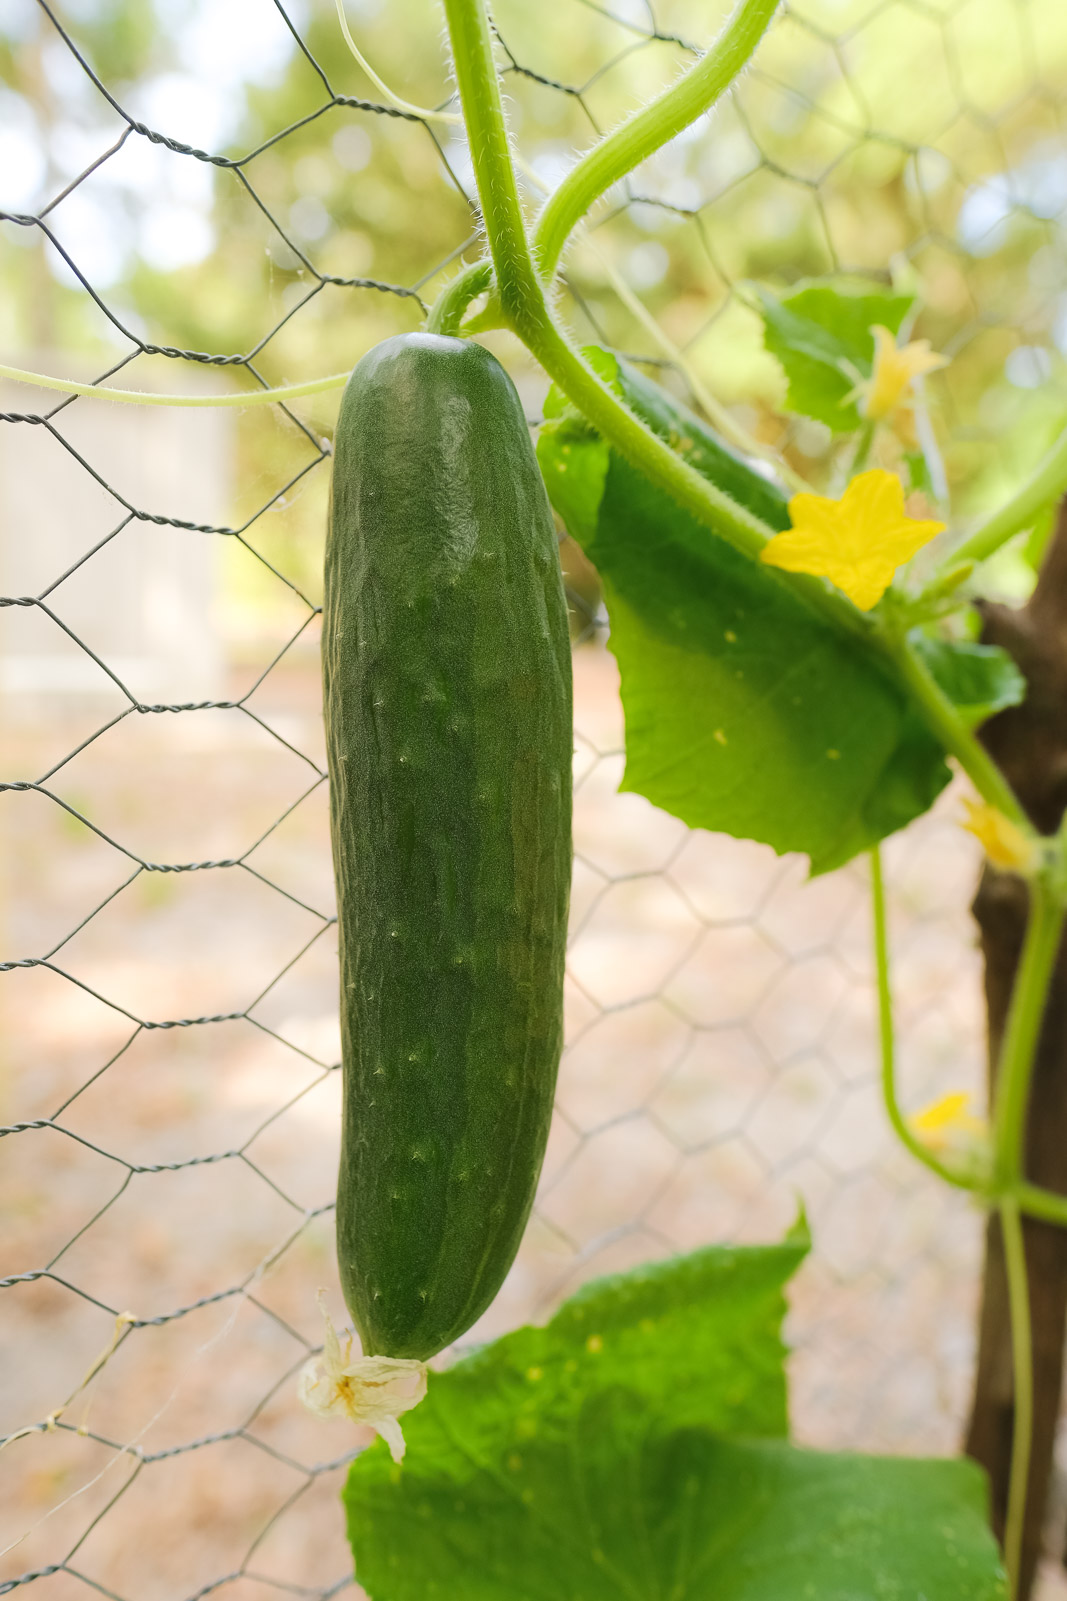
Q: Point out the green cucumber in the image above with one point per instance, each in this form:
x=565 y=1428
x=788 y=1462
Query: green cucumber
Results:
x=447 y=677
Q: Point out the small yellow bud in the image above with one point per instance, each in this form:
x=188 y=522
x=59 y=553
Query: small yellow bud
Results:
x=895 y=369
x=1002 y=840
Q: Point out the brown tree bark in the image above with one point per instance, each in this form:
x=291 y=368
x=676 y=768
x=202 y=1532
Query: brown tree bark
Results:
x=1029 y=743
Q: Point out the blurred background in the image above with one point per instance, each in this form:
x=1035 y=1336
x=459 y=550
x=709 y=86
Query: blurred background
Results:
x=214 y=196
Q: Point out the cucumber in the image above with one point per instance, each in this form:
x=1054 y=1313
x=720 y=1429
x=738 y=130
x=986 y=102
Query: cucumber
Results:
x=447 y=678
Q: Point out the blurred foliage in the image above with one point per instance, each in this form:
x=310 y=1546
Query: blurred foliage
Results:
x=918 y=146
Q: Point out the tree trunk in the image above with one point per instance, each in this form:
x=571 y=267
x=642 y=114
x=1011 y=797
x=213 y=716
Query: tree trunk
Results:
x=1029 y=743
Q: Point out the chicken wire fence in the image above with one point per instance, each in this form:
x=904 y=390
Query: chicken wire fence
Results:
x=171 y=1051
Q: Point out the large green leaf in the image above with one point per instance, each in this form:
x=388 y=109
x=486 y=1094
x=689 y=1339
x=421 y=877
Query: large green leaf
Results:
x=592 y=1460
x=617 y=1511
x=821 y=334
x=745 y=713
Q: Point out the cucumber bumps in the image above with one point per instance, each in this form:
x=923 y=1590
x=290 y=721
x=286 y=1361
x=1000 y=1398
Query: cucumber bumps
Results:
x=448 y=718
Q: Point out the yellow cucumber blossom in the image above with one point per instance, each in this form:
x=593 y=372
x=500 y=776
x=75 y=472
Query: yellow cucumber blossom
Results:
x=372 y=1390
x=895 y=369
x=1002 y=840
x=858 y=542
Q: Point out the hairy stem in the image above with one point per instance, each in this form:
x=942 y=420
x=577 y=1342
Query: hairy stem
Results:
x=525 y=308
x=483 y=113
x=649 y=129
x=446 y=313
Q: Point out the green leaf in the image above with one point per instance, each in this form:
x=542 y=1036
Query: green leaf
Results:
x=574 y=463
x=821 y=334
x=744 y=713
x=617 y=1511
x=695 y=1338
x=587 y=1461
x=979 y=679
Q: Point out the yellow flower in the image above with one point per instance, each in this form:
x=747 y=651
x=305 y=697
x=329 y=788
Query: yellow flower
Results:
x=1002 y=840
x=368 y=1389
x=895 y=369
x=858 y=542
x=946 y=1123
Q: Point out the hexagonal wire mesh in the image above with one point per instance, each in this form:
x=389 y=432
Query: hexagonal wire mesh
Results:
x=171 y=989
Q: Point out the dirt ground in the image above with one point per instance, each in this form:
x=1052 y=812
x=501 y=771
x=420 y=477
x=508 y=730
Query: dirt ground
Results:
x=720 y=1068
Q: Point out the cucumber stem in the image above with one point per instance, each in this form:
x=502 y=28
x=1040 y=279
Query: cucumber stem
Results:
x=447 y=312
x=647 y=130
x=1046 y=483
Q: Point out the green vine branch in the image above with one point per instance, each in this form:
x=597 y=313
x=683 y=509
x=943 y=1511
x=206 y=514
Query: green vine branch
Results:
x=1040 y=1203
x=1004 y=1186
x=526 y=310
x=520 y=270
x=1044 y=930
x=1046 y=484
x=886 y=1035
x=648 y=130
x=448 y=310
x=1030 y=1199
x=524 y=307
x=520 y=302
x=945 y=723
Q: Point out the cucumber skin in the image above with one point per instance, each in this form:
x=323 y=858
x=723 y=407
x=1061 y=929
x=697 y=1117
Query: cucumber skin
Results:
x=447 y=678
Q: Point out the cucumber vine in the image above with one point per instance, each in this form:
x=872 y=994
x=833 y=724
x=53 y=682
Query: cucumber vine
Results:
x=523 y=270
x=517 y=277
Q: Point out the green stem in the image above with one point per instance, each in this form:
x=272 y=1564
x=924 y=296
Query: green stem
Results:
x=1037 y=1202
x=648 y=130
x=671 y=473
x=944 y=721
x=483 y=113
x=886 y=1037
x=142 y=397
x=446 y=313
x=637 y=443
x=1015 y=1068
x=717 y=414
x=1023 y=1388
x=523 y=304
x=524 y=307
x=1046 y=483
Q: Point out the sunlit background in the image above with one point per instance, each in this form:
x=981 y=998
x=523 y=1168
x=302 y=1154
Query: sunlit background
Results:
x=222 y=184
